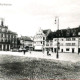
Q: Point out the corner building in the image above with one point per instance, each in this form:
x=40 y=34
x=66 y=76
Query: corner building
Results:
x=8 y=39
x=69 y=40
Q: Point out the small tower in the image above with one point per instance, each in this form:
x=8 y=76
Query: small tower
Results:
x=2 y=22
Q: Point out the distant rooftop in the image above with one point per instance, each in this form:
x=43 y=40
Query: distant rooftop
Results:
x=26 y=38
x=46 y=32
x=70 y=32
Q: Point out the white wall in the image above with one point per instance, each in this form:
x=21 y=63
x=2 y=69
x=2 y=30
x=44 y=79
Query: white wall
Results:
x=64 y=46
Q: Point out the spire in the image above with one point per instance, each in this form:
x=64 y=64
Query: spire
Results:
x=40 y=29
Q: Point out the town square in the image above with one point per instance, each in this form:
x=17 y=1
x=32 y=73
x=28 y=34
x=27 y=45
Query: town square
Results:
x=39 y=39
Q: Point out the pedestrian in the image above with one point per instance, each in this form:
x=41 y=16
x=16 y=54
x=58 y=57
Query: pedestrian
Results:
x=24 y=52
x=47 y=52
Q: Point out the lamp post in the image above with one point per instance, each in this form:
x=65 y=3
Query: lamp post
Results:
x=57 y=22
x=43 y=47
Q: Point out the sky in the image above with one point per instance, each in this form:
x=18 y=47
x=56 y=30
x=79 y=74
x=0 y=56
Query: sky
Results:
x=26 y=16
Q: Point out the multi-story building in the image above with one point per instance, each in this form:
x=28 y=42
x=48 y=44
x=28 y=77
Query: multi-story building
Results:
x=41 y=40
x=26 y=43
x=68 y=40
x=8 y=39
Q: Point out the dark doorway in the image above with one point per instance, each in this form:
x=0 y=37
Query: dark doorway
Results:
x=7 y=47
x=72 y=50
x=3 y=47
x=61 y=50
x=78 y=50
x=55 y=50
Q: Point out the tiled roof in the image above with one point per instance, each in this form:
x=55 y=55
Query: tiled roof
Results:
x=64 y=33
x=12 y=32
x=26 y=38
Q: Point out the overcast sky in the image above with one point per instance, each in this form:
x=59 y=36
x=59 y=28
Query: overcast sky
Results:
x=26 y=16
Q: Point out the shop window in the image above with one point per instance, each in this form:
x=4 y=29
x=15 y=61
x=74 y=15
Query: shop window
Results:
x=67 y=49
x=41 y=42
x=68 y=39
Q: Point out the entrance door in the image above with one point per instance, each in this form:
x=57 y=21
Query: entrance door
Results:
x=72 y=50
x=55 y=50
x=7 y=47
x=3 y=47
x=61 y=50
x=78 y=50
x=51 y=49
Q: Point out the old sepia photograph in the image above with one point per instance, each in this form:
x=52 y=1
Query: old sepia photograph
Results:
x=39 y=39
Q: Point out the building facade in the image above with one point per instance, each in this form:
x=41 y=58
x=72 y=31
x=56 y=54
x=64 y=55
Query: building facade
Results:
x=8 y=39
x=68 y=40
x=41 y=41
x=66 y=45
x=26 y=42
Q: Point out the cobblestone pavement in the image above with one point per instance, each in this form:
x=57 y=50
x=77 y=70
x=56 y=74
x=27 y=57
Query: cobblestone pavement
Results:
x=73 y=57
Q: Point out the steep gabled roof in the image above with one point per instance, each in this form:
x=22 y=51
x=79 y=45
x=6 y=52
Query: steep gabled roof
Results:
x=50 y=36
x=46 y=32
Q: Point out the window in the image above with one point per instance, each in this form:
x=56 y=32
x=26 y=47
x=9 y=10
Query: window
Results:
x=61 y=44
x=51 y=44
x=55 y=39
x=61 y=50
x=43 y=43
x=5 y=40
x=2 y=40
x=73 y=39
x=41 y=33
x=5 y=35
x=30 y=44
x=67 y=49
x=47 y=44
x=43 y=38
x=68 y=39
x=68 y=44
x=62 y=39
x=73 y=44
x=8 y=36
x=1 y=35
x=11 y=36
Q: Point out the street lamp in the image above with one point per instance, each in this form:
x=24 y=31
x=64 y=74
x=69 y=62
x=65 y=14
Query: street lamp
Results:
x=57 y=22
